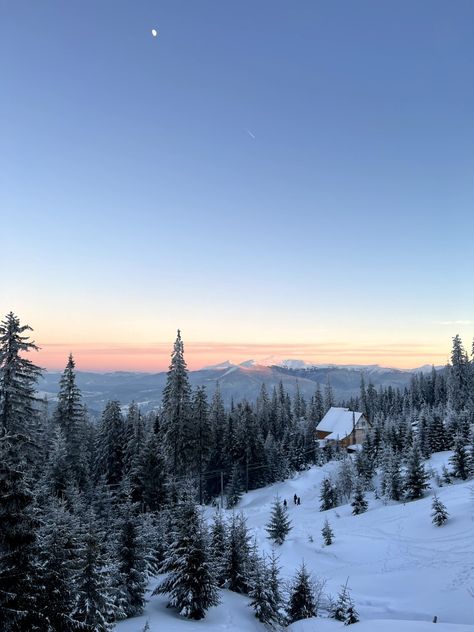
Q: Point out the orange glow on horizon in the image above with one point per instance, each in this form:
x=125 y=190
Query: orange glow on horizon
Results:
x=155 y=357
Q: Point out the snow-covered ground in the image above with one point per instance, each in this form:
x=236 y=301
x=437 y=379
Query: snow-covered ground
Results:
x=402 y=570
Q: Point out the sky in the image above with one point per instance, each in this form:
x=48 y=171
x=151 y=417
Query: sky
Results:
x=275 y=178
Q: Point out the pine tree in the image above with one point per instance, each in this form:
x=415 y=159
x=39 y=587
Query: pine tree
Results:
x=343 y=609
x=134 y=439
x=262 y=596
x=274 y=582
x=218 y=546
x=190 y=584
x=176 y=418
x=202 y=435
x=460 y=460
x=416 y=478
x=96 y=604
x=392 y=483
x=69 y=416
x=217 y=458
x=458 y=376
x=148 y=477
x=131 y=560
x=110 y=444
x=237 y=563
x=18 y=543
x=234 y=488
x=327 y=533
x=57 y=476
x=439 y=512
x=359 y=503
x=18 y=378
x=328 y=496
x=58 y=555
x=302 y=603
x=250 y=447
x=279 y=524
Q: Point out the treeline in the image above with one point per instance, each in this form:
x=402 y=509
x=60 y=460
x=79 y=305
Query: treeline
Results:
x=89 y=511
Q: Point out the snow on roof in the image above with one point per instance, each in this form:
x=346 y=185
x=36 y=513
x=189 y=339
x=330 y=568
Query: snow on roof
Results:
x=339 y=422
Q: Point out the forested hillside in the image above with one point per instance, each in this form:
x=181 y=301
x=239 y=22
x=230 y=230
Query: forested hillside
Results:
x=89 y=512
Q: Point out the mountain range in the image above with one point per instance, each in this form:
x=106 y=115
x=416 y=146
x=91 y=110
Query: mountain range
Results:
x=236 y=382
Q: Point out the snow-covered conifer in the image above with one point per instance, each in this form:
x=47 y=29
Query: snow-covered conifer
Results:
x=359 y=503
x=96 y=604
x=416 y=478
x=262 y=596
x=177 y=419
x=460 y=460
x=327 y=533
x=131 y=561
x=279 y=524
x=343 y=608
x=328 y=495
x=237 y=562
x=190 y=582
x=18 y=377
x=234 y=487
x=302 y=602
x=439 y=513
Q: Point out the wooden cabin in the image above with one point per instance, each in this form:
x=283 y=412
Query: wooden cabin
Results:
x=342 y=426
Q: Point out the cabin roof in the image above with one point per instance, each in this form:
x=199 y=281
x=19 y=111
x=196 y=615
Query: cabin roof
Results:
x=339 y=422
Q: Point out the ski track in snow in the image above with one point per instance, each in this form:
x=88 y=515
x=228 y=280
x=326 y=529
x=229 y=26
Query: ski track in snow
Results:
x=402 y=569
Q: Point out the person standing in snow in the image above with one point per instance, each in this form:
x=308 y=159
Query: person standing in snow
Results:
x=295 y=499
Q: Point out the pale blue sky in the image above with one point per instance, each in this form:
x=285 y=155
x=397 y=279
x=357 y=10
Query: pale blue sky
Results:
x=134 y=200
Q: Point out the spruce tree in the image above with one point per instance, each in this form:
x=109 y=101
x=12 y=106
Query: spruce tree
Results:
x=18 y=378
x=439 y=513
x=134 y=440
x=275 y=583
x=391 y=476
x=327 y=533
x=343 y=608
x=58 y=547
x=202 y=435
x=359 y=503
x=328 y=495
x=458 y=376
x=19 y=580
x=217 y=458
x=302 y=603
x=148 y=477
x=279 y=524
x=69 y=416
x=237 y=563
x=218 y=546
x=416 y=478
x=131 y=560
x=190 y=582
x=262 y=596
x=176 y=418
x=96 y=605
x=110 y=444
x=460 y=460
x=234 y=487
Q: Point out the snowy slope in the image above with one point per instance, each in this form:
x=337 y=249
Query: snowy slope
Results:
x=231 y=615
x=400 y=567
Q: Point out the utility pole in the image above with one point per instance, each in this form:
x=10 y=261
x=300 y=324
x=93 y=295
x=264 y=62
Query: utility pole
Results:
x=222 y=489
x=246 y=473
